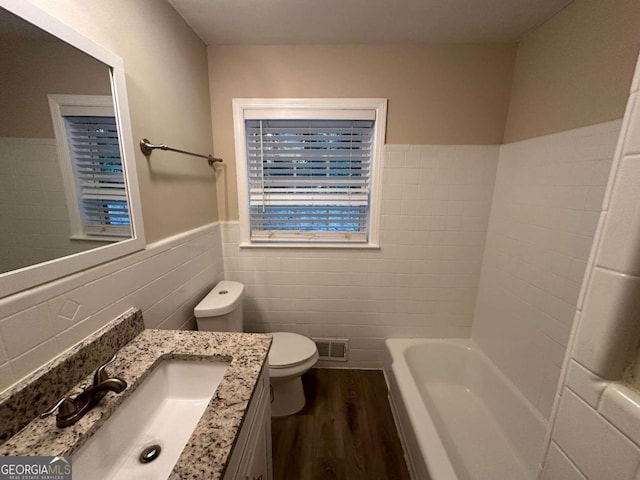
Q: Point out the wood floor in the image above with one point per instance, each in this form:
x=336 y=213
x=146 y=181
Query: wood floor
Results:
x=345 y=431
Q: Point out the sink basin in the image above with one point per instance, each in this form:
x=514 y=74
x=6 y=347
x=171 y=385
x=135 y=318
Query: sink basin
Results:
x=163 y=411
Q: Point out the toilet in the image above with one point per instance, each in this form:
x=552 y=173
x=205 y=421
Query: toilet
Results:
x=291 y=355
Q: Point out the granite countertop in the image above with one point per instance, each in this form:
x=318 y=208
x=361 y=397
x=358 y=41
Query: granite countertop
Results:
x=209 y=447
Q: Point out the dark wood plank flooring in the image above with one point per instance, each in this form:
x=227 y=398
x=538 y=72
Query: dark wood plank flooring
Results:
x=345 y=432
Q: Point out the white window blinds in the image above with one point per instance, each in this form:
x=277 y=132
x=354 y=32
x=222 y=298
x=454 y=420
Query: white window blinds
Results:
x=97 y=166
x=309 y=180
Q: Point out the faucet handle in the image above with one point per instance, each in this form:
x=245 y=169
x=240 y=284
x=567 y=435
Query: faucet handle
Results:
x=101 y=374
x=65 y=407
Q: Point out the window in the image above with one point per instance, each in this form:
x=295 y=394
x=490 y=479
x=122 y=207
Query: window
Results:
x=309 y=171
x=89 y=154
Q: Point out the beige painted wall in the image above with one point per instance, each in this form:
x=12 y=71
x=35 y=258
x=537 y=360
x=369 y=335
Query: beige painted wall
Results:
x=32 y=69
x=449 y=94
x=575 y=70
x=166 y=73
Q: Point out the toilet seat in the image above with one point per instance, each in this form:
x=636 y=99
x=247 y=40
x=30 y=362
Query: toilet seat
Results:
x=291 y=356
x=290 y=350
x=282 y=374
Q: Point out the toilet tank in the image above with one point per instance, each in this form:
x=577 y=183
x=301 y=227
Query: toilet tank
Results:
x=221 y=309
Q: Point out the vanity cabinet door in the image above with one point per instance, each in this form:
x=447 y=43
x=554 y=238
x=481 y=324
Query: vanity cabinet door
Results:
x=259 y=467
x=251 y=458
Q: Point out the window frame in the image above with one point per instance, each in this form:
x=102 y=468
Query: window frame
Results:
x=89 y=105
x=310 y=109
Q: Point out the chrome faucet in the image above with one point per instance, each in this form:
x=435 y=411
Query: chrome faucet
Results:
x=70 y=410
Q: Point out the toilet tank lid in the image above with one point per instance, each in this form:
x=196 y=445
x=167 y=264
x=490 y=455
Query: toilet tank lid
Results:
x=224 y=298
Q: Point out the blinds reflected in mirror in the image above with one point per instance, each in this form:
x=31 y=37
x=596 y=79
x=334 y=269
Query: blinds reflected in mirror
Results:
x=97 y=165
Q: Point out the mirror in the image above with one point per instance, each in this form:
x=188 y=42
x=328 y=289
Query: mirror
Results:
x=68 y=190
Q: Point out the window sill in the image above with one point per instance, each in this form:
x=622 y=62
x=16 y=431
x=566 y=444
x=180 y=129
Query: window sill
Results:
x=328 y=245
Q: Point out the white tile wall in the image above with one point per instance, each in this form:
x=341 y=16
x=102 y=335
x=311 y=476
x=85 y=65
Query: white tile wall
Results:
x=620 y=240
x=619 y=405
x=166 y=281
x=607 y=347
x=601 y=436
x=546 y=206
x=584 y=383
x=421 y=283
x=33 y=207
x=595 y=446
x=559 y=467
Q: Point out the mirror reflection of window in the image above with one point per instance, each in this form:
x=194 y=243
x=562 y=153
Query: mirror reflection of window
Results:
x=91 y=165
x=102 y=197
x=36 y=214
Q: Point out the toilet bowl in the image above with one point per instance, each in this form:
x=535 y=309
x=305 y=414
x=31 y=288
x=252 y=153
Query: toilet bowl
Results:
x=290 y=356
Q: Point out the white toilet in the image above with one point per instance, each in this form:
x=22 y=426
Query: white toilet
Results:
x=290 y=356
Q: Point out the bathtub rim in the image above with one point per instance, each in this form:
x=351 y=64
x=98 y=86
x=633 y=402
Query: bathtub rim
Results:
x=434 y=454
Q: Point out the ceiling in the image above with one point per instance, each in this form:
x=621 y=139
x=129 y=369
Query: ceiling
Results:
x=271 y=22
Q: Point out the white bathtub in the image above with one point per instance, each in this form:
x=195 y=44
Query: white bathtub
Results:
x=459 y=417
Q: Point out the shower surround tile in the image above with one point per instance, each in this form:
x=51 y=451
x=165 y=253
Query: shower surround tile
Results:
x=576 y=429
x=558 y=466
x=606 y=334
x=620 y=240
x=607 y=339
x=546 y=205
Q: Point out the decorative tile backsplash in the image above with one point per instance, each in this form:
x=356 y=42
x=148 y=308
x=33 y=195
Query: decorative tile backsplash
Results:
x=35 y=393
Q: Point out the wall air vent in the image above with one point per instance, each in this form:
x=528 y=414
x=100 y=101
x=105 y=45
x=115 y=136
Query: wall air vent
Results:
x=333 y=349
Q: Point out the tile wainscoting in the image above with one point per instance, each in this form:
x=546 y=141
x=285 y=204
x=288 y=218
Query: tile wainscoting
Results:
x=165 y=281
x=422 y=282
x=33 y=206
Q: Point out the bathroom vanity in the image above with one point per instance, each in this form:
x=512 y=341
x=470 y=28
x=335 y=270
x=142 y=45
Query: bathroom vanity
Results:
x=251 y=458
x=231 y=440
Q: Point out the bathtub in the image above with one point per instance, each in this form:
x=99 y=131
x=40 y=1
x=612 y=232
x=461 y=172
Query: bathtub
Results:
x=458 y=416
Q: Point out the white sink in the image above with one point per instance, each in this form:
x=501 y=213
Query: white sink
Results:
x=163 y=411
